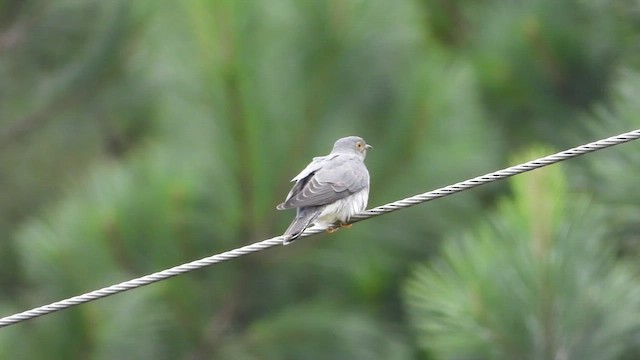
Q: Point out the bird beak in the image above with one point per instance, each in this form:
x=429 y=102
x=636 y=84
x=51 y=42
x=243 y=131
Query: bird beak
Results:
x=368 y=147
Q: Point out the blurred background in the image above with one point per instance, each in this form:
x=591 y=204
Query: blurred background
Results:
x=138 y=135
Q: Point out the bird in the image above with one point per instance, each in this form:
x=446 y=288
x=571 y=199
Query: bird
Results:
x=329 y=190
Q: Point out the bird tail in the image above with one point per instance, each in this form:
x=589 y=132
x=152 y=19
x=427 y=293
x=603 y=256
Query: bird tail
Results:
x=303 y=219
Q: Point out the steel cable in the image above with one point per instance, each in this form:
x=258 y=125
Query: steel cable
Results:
x=265 y=244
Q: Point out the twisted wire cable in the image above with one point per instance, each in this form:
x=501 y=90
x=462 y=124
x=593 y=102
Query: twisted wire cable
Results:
x=265 y=244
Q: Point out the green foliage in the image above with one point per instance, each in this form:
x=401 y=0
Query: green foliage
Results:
x=537 y=280
x=209 y=183
x=609 y=177
x=135 y=136
x=311 y=332
x=538 y=61
x=62 y=105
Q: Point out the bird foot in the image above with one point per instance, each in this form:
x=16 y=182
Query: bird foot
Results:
x=333 y=228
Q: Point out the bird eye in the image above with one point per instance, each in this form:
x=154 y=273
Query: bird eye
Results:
x=359 y=145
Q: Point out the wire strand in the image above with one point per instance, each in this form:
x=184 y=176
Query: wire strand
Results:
x=265 y=244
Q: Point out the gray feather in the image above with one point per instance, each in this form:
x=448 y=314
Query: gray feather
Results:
x=303 y=219
x=336 y=179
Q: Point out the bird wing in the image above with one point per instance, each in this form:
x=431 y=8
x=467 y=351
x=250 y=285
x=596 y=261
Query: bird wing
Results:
x=313 y=166
x=335 y=178
x=303 y=177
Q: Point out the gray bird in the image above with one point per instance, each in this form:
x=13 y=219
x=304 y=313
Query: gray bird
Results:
x=330 y=189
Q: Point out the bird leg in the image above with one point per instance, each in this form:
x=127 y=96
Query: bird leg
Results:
x=335 y=227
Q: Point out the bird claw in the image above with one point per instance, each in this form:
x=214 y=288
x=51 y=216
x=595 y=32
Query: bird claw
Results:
x=333 y=228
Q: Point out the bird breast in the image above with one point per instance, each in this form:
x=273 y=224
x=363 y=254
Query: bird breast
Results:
x=343 y=209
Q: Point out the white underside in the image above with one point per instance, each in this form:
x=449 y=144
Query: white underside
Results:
x=343 y=209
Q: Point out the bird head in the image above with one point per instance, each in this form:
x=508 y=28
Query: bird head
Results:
x=354 y=144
